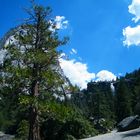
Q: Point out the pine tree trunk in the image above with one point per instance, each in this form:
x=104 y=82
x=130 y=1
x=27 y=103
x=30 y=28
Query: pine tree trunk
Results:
x=34 y=128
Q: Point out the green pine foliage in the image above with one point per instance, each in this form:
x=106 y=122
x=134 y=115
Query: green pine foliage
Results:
x=123 y=101
x=30 y=69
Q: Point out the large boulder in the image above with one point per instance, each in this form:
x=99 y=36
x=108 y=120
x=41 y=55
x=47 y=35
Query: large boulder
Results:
x=129 y=123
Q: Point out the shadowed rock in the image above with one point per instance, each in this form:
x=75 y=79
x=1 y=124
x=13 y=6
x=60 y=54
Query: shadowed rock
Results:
x=129 y=123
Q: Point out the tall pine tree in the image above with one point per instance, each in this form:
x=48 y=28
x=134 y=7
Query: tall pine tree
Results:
x=30 y=67
x=123 y=100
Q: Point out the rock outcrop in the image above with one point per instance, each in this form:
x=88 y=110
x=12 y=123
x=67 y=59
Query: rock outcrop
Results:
x=129 y=123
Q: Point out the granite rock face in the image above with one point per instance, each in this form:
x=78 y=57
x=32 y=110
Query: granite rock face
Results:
x=129 y=123
x=5 y=136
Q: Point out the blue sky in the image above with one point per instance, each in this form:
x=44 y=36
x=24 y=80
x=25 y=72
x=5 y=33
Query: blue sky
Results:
x=100 y=31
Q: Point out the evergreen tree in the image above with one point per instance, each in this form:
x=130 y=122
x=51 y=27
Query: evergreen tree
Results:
x=30 y=68
x=123 y=101
x=101 y=100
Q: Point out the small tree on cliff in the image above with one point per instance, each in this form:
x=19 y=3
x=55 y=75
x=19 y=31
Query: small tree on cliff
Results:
x=30 y=66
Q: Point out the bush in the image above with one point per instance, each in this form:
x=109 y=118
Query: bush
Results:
x=64 y=122
x=104 y=125
x=79 y=128
x=22 y=131
x=74 y=127
x=69 y=137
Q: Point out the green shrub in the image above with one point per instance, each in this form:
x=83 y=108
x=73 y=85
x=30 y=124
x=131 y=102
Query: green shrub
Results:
x=22 y=131
x=77 y=127
x=69 y=137
x=104 y=125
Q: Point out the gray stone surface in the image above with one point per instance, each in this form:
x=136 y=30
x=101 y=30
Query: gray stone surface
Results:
x=114 y=135
x=129 y=123
x=5 y=136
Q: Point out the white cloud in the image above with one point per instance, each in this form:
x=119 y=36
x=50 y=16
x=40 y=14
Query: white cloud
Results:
x=105 y=75
x=62 y=55
x=77 y=72
x=57 y=23
x=60 y=22
x=132 y=36
x=134 y=9
x=73 y=51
